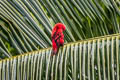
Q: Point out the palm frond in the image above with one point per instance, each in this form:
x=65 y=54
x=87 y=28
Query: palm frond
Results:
x=96 y=59
x=27 y=25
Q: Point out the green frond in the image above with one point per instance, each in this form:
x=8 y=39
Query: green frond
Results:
x=27 y=25
x=94 y=59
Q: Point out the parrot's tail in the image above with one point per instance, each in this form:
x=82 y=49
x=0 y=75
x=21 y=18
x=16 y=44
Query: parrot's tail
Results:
x=54 y=52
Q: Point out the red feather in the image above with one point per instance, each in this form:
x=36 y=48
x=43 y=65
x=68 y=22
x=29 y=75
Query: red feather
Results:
x=57 y=37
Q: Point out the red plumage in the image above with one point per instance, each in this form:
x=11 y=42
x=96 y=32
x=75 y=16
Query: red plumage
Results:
x=57 y=37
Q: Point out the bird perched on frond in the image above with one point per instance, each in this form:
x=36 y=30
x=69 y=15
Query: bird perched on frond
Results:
x=57 y=37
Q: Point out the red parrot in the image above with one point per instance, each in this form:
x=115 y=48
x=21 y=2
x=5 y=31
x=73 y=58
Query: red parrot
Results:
x=57 y=37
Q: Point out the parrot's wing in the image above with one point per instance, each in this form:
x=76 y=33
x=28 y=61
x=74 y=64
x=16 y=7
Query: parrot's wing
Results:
x=55 y=35
x=57 y=40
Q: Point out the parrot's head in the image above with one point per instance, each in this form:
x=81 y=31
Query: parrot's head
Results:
x=59 y=26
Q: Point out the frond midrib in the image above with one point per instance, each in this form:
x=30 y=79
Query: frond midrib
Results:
x=71 y=43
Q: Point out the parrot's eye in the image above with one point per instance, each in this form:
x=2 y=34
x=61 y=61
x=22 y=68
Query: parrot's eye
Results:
x=63 y=28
